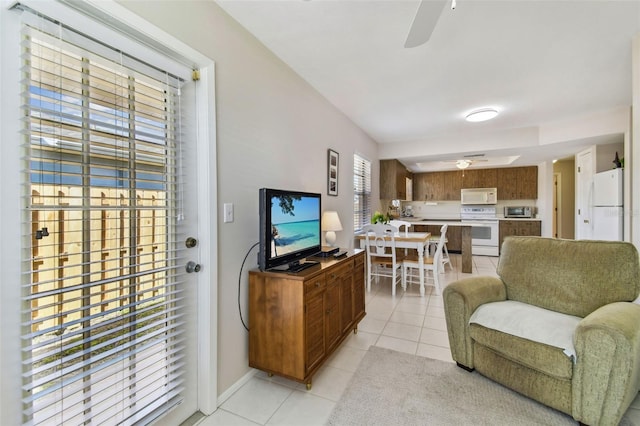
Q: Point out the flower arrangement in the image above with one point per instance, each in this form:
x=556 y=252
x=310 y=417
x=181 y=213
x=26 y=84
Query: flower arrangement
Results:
x=380 y=218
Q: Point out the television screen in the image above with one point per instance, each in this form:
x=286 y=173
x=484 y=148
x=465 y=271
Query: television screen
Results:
x=289 y=227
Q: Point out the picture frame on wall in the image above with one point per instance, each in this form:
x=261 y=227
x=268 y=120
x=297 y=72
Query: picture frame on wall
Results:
x=333 y=159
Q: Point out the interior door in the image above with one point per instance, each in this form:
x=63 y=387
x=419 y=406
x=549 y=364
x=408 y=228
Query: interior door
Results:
x=584 y=177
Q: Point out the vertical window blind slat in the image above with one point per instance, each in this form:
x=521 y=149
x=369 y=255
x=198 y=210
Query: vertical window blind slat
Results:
x=361 y=192
x=103 y=337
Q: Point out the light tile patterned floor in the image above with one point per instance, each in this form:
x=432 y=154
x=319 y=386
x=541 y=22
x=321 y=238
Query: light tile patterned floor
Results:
x=406 y=323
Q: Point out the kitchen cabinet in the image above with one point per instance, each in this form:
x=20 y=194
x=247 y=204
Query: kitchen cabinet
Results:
x=480 y=178
x=393 y=180
x=428 y=186
x=519 y=227
x=517 y=183
x=513 y=183
x=437 y=186
x=296 y=321
x=452 y=185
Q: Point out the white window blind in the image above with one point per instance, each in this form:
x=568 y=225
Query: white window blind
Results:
x=102 y=340
x=361 y=192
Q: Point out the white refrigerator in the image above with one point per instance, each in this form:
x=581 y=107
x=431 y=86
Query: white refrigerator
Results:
x=608 y=206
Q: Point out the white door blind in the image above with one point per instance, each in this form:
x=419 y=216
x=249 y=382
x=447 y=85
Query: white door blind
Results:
x=102 y=341
x=361 y=192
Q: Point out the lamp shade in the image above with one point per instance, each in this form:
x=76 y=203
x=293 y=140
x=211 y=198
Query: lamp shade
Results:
x=330 y=221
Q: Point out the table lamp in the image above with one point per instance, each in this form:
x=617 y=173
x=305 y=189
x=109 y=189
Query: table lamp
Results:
x=330 y=223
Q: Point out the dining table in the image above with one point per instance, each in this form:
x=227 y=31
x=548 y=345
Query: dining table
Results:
x=418 y=241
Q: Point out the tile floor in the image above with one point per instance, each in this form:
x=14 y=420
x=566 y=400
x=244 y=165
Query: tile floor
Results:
x=407 y=323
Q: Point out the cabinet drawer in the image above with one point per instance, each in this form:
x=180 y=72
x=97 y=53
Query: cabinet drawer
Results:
x=358 y=260
x=316 y=283
x=336 y=273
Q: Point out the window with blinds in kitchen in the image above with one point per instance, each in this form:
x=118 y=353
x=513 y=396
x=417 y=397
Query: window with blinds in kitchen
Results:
x=361 y=192
x=102 y=340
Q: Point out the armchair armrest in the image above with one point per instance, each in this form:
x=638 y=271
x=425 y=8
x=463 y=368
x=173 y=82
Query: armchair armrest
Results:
x=461 y=298
x=607 y=371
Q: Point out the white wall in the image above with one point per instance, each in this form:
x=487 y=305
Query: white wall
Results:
x=273 y=131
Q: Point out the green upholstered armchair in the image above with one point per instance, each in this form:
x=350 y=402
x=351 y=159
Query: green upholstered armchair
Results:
x=559 y=324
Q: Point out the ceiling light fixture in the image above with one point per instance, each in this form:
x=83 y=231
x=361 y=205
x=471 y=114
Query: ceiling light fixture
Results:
x=483 y=114
x=463 y=164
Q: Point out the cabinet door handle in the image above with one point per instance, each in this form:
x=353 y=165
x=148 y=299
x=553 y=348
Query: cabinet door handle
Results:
x=317 y=283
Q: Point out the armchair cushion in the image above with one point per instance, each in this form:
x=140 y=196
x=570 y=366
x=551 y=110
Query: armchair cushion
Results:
x=529 y=322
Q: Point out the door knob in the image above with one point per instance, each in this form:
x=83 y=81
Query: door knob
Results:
x=190 y=242
x=193 y=267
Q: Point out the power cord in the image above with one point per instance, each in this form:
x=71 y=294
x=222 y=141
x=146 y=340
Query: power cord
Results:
x=239 y=280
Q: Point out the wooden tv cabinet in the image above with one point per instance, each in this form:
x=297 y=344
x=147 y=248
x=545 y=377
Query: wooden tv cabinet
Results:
x=297 y=320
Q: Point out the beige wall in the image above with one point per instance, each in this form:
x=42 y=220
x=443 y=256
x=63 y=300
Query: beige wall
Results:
x=273 y=130
x=566 y=219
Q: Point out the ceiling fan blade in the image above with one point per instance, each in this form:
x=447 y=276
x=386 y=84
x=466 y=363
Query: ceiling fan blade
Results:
x=424 y=22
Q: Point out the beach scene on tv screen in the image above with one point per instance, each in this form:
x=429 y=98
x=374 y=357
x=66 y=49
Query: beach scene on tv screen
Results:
x=295 y=224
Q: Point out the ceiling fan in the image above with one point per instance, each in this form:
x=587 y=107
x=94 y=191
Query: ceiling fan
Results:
x=425 y=21
x=467 y=161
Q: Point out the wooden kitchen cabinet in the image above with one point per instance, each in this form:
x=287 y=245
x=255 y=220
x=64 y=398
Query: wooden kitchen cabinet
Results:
x=393 y=180
x=428 y=186
x=452 y=185
x=528 y=183
x=480 y=178
x=437 y=186
x=297 y=320
x=513 y=183
x=518 y=183
x=519 y=227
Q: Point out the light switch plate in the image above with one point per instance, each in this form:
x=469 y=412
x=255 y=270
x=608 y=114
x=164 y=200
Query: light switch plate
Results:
x=228 y=212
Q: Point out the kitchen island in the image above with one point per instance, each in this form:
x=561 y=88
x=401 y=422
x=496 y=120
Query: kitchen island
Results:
x=465 y=235
x=467 y=262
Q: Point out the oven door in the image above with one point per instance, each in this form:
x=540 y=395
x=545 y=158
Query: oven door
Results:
x=484 y=237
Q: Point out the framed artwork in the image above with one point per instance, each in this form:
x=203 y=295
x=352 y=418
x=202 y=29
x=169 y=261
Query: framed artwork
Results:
x=332 y=172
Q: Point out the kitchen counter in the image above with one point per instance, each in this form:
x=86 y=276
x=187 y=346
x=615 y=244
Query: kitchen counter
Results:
x=450 y=222
x=458 y=222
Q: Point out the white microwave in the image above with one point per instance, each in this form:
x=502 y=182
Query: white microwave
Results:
x=470 y=196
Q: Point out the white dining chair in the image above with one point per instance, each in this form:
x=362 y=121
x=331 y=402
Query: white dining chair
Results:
x=433 y=245
x=411 y=266
x=402 y=225
x=380 y=243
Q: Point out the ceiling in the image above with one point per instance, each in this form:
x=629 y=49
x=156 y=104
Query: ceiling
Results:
x=537 y=62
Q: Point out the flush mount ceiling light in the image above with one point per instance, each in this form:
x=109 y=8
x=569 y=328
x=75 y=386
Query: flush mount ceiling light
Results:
x=463 y=164
x=483 y=114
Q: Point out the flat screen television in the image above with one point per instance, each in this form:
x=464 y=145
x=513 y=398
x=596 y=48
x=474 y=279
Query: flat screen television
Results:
x=289 y=229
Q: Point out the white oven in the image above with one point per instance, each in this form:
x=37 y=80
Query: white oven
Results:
x=484 y=229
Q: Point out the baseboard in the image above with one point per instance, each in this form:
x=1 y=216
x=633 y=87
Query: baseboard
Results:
x=234 y=387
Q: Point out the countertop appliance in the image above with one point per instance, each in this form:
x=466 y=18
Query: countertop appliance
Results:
x=518 y=211
x=484 y=239
x=478 y=196
x=608 y=206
